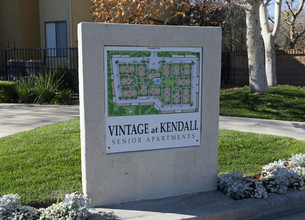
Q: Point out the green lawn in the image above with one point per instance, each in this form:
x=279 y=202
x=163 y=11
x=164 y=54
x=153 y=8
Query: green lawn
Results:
x=282 y=103
x=248 y=152
x=44 y=164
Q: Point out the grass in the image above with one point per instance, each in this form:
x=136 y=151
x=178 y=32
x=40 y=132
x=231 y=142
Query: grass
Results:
x=44 y=164
x=282 y=103
x=248 y=152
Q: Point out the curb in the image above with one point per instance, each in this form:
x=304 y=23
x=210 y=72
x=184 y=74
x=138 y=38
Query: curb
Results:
x=206 y=206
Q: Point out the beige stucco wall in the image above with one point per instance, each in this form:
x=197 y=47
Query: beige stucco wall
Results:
x=55 y=10
x=19 y=23
x=29 y=23
x=9 y=23
x=79 y=13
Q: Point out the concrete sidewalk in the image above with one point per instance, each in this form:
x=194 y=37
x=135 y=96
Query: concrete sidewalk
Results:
x=15 y=118
x=209 y=205
x=274 y=127
x=23 y=117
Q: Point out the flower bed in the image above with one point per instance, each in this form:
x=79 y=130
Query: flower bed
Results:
x=276 y=177
x=73 y=206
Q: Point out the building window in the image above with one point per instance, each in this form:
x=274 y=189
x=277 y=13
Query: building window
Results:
x=56 y=38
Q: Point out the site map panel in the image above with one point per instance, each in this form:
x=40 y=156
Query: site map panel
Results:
x=153 y=98
x=152 y=81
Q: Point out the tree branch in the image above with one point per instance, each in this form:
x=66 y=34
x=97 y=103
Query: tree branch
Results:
x=267 y=2
x=289 y=7
x=277 y=16
x=243 y=4
x=299 y=35
x=270 y=19
x=298 y=11
x=264 y=18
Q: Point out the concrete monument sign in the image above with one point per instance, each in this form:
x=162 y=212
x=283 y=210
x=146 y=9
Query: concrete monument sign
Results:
x=148 y=109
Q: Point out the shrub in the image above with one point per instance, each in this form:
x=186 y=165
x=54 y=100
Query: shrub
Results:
x=257 y=189
x=11 y=209
x=67 y=78
x=73 y=206
x=297 y=160
x=25 y=90
x=46 y=86
x=276 y=177
x=7 y=91
x=64 y=97
x=40 y=89
x=283 y=174
x=235 y=186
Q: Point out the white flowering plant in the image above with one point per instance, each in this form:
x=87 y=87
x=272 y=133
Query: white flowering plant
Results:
x=235 y=186
x=276 y=177
x=280 y=179
x=283 y=174
x=257 y=190
x=73 y=207
x=11 y=209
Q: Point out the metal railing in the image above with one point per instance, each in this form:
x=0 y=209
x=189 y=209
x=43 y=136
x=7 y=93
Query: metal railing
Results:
x=16 y=63
x=225 y=69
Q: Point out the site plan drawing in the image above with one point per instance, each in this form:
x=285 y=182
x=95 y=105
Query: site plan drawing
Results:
x=144 y=80
x=153 y=97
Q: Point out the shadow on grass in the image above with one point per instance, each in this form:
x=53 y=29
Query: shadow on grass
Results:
x=282 y=103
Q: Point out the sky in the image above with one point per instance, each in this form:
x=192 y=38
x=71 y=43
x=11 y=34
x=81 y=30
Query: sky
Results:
x=271 y=7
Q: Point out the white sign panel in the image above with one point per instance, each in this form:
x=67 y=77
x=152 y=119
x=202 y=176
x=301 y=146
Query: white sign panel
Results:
x=153 y=98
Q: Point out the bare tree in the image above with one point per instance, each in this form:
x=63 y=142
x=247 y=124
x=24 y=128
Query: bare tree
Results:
x=269 y=34
x=234 y=30
x=255 y=46
x=295 y=30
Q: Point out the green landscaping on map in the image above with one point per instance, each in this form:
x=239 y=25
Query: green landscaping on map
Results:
x=152 y=82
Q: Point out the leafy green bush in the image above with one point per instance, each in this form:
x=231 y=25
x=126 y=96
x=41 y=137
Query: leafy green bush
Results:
x=25 y=90
x=40 y=89
x=64 y=97
x=7 y=91
x=67 y=78
x=46 y=86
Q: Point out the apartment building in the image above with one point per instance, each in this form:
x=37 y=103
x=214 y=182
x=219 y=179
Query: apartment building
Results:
x=41 y=23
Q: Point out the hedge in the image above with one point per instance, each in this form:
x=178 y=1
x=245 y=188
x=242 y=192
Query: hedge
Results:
x=7 y=91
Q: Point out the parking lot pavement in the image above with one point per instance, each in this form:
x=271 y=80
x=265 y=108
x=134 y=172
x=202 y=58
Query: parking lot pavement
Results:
x=15 y=118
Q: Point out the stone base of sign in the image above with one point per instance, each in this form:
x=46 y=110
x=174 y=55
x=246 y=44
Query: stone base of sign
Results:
x=121 y=177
